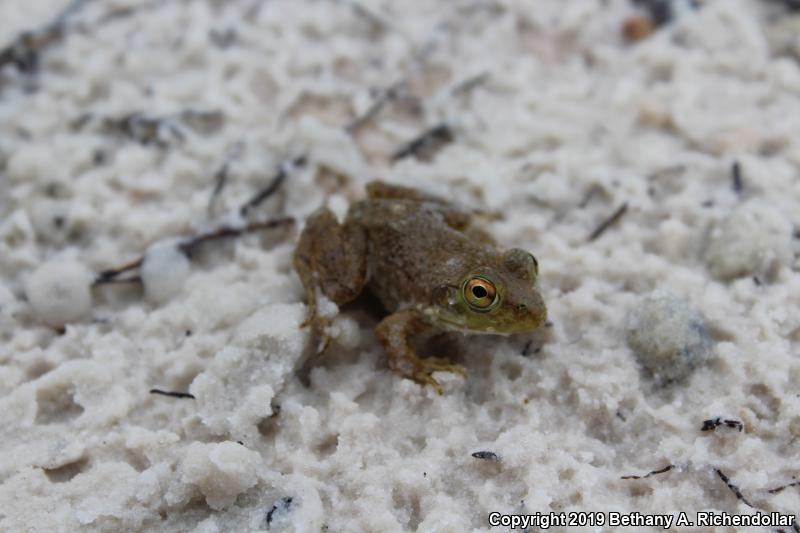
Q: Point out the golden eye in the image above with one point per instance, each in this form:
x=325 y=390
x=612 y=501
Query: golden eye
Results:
x=480 y=293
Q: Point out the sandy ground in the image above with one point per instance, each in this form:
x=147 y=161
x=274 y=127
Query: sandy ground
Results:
x=656 y=181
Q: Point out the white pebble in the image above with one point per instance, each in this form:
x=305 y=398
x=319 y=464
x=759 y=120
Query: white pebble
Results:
x=164 y=271
x=60 y=292
x=221 y=471
x=754 y=238
x=668 y=337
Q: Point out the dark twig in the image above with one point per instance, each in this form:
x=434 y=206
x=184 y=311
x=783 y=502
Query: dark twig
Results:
x=188 y=245
x=25 y=50
x=276 y=181
x=282 y=505
x=384 y=97
x=222 y=175
x=123 y=12
x=144 y=129
x=733 y=487
x=591 y=193
x=107 y=276
x=426 y=144
x=227 y=231
x=608 y=222
x=172 y=393
x=117 y=281
x=470 y=83
x=776 y=490
x=220 y=180
x=736 y=177
x=652 y=473
x=486 y=455
x=713 y=423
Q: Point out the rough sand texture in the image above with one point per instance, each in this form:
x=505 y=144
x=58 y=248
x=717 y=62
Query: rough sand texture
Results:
x=684 y=309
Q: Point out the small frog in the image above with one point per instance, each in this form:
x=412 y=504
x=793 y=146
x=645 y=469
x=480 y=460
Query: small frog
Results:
x=429 y=267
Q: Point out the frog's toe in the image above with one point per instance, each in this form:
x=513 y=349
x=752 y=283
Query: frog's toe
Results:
x=425 y=368
x=437 y=364
x=424 y=378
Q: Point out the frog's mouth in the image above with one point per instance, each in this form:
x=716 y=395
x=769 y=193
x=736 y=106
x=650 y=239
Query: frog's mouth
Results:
x=484 y=324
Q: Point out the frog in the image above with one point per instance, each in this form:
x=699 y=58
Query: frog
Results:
x=428 y=263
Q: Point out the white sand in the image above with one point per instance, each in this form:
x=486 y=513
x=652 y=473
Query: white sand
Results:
x=571 y=124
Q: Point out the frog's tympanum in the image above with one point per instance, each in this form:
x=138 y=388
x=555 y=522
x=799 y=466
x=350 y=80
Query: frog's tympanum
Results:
x=428 y=266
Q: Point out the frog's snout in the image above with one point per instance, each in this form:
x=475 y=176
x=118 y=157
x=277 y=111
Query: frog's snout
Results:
x=530 y=313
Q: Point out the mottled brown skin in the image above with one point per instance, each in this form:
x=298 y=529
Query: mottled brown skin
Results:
x=421 y=257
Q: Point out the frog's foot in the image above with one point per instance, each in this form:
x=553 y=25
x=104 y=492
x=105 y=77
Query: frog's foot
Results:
x=423 y=370
x=319 y=327
x=393 y=332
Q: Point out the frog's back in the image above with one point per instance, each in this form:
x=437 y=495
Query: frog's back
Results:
x=414 y=247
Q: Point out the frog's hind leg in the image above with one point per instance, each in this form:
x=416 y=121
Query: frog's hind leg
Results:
x=394 y=332
x=331 y=257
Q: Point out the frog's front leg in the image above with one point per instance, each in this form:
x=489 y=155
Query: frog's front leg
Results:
x=394 y=332
x=331 y=257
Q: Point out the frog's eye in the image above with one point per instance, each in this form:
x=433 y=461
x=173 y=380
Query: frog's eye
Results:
x=480 y=294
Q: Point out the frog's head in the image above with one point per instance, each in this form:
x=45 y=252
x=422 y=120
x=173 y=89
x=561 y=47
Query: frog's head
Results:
x=499 y=298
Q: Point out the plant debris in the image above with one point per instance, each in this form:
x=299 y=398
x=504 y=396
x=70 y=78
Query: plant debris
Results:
x=651 y=473
x=383 y=97
x=222 y=174
x=736 y=177
x=638 y=27
x=25 y=51
x=283 y=172
x=281 y=506
x=172 y=393
x=426 y=144
x=187 y=246
x=713 y=423
x=486 y=455
x=608 y=222
x=776 y=490
x=470 y=83
x=162 y=131
x=733 y=487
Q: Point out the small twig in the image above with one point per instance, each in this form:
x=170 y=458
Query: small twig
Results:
x=222 y=175
x=470 y=83
x=274 y=184
x=608 y=222
x=378 y=22
x=486 y=455
x=106 y=276
x=127 y=11
x=733 y=487
x=426 y=144
x=144 y=129
x=220 y=180
x=713 y=423
x=591 y=193
x=385 y=96
x=226 y=232
x=172 y=393
x=188 y=245
x=776 y=490
x=25 y=50
x=117 y=281
x=526 y=348
x=652 y=473
x=736 y=177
